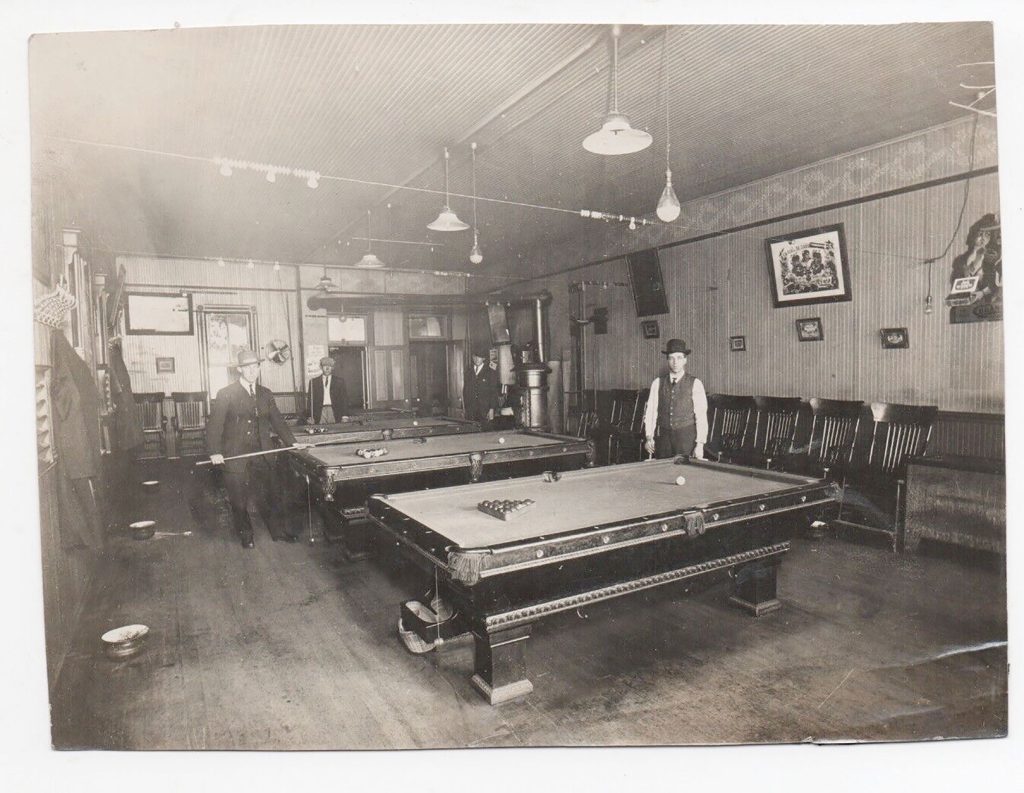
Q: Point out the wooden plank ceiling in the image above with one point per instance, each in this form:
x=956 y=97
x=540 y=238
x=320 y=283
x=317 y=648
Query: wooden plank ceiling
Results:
x=377 y=104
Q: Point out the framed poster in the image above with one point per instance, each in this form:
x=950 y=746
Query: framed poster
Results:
x=810 y=329
x=737 y=343
x=895 y=338
x=650 y=329
x=165 y=366
x=158 y=314
x=809 y=267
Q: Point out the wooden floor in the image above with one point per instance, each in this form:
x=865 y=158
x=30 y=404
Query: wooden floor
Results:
x=290 y=647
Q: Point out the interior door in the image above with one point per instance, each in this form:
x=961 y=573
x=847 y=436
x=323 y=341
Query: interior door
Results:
x=350 y=366
x=428 y=365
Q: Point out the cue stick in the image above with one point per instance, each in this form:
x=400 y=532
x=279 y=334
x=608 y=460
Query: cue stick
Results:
x=276 y=451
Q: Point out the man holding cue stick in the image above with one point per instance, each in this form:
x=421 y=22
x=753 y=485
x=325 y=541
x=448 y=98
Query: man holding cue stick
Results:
x=238 y=431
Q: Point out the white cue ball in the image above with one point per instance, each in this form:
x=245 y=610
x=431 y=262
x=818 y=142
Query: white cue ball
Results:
x=501 y=440
x=680 y=480
x=415 y=423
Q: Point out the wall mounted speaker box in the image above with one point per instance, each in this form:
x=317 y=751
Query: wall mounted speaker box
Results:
x=646 y=283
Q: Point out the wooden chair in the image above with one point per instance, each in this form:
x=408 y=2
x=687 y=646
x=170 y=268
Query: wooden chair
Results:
x=775 y=426
x=874 y=492
x=154 y=425
x=189 y=422
x=728 y=425
x=630 y=443
x=610 y=435
x=835 y=426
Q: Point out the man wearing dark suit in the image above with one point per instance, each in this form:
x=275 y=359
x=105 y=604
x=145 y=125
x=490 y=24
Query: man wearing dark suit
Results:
x=480 y=388
x=327 y=400
x=240 y=422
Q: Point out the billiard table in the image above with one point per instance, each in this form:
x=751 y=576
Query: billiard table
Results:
x=339 y=481
x=589 y=535
x=383 y=428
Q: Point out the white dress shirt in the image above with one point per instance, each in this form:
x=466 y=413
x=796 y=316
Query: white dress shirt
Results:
x=700 y=409
x=327 y=391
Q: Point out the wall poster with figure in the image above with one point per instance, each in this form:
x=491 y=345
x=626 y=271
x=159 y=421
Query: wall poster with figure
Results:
x=809 y=267
x=976 y=280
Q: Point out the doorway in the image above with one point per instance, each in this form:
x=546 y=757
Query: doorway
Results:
x=350 y=365
x=428 y=369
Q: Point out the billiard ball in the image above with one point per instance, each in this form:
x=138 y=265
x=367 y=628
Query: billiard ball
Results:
x=680 y=480
x=501 y=440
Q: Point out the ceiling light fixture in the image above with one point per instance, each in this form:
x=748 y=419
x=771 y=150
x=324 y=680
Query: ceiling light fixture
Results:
x=475 y=254
x=447 y=220
x=369 y=260
x=325 y=284
x=668 y=205
x=616 y=136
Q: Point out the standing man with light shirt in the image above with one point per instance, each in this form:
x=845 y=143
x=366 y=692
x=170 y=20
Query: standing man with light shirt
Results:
x=240 y=422
x=327 y=400
x=676 y=419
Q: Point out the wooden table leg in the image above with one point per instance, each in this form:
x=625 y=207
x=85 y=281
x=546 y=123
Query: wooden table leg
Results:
x=500 y=669
x=754 y=587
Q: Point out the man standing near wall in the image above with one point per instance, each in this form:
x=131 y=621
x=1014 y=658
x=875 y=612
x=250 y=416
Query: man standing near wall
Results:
x=676 y=419
x=327 y=399
x=480 y=388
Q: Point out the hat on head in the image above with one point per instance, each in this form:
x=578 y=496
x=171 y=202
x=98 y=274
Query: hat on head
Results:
x=246 y=357
x=676 y=345
x=327 y=359
x=481 y=351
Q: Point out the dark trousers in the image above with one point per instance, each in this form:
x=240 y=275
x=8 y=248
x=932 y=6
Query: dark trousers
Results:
x=675 y=442
x=260 y=480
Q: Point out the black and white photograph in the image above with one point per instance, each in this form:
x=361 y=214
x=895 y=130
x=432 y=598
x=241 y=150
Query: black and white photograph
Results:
x=352 y=432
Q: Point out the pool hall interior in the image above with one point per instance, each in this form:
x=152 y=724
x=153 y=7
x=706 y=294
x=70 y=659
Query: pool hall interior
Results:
x=556 y=211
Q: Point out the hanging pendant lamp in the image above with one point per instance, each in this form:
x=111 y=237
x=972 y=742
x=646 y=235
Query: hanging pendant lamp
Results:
x=369 y=260
x=616 y=136
x=325 y=284
x=447 y=220
x=475 y=254
x=668 y=204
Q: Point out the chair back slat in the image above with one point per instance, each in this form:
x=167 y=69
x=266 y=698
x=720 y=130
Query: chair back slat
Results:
x=775 y=426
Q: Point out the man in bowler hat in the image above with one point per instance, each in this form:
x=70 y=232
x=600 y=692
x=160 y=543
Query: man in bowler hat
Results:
x=327 y=400
x=240 y=422
x=480 y=388
x=676 y=419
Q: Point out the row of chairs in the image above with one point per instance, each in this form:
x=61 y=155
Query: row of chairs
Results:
x=188 y=423
x=766 y=432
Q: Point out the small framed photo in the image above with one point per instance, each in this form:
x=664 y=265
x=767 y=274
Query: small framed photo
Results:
x=738 y=343
x=165 y=366
x=649 y=328
x=894 y=338
x=809 y=267
x=809 y=329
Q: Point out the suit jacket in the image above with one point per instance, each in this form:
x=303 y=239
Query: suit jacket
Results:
x=240 y=424
x=480 y=392
x=339 y=401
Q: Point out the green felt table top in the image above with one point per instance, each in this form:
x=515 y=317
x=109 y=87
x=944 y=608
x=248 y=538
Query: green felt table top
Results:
x=583 y=499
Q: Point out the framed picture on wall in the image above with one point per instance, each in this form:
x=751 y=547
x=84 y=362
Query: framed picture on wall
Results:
x=894 y=338
x=649 y=328
x=810 y=329
x=738 y=343
x=809 y=267
x=165 y=366
x=158 y=314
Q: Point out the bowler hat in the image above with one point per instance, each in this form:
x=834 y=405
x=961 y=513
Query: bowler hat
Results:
x=481 y=351
x=246 y=357
x=676 y=345
x=327 y=359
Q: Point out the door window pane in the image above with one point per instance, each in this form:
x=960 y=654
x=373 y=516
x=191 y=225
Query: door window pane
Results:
x=349 y=329
x=428 y=327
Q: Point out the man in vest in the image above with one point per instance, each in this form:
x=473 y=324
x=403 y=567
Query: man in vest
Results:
x=327 y=400
x=240 y=422
x=480 y=390
x=676 y=419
